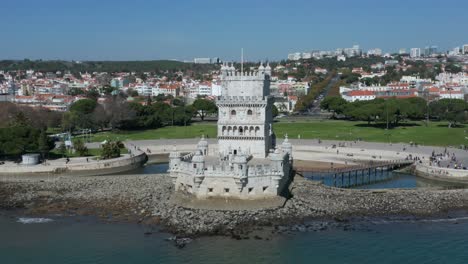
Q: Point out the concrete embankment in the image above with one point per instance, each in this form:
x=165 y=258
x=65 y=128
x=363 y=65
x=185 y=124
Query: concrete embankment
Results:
x=444 y=175
x=77 y=167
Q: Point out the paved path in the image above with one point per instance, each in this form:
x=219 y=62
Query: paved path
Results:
x=462 y=155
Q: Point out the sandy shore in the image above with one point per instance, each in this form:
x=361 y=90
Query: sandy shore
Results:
x=146 y=198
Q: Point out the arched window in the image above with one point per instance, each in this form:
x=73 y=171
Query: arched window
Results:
x=257 y=131
x=241 y=130
x=233 y=112
x=249 y=112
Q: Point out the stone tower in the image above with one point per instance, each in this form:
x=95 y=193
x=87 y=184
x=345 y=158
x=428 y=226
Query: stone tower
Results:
x=247 y=165
x=245 y=112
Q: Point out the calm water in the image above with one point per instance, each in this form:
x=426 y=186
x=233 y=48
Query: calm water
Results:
x=67 y=240
x=150 y=169
x=382 y=181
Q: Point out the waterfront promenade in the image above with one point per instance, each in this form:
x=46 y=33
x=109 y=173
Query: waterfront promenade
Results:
x=79 y=166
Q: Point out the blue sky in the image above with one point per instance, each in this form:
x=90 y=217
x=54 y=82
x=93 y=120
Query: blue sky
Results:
x=184 y=29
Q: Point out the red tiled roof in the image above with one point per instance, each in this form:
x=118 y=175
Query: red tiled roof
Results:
x=451 y=92
x=360 y=93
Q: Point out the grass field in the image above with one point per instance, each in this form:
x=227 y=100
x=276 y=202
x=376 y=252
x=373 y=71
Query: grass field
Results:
x=436 y=134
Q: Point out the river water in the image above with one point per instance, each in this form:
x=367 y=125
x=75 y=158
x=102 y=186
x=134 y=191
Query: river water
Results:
x=68 y=240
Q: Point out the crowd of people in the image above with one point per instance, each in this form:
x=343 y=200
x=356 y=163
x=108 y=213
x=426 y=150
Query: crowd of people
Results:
x=446 y=159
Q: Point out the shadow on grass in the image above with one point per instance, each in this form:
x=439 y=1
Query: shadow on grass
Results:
x=384 y=125
x=453 y=126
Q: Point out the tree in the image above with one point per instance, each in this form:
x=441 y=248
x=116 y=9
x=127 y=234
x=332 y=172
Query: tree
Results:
x=83 y=106
x=204 y=107
x=132 y=93
x=335 y=104
x=178 y=102
x=111 y=149
x=452 y=68
x=80 y=147
x=45 y=144
x=92 y=94
x=80 y=115
x=451 y=110
x=107 y=89
x=274 y=111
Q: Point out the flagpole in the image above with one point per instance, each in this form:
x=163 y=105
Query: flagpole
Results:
x=242 y=67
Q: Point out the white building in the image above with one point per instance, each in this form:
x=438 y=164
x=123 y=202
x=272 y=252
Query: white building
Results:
x=465 y=49
x=452 y=95
x=415 y=53
x=374 y=52
x=295 y=56
x=145 y=90
x=246 y=164
x=306 y=55
x=358 y=95
x=202 y=60
x=453 y=78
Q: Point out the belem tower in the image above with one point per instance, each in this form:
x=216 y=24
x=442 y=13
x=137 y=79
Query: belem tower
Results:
x=246 y=163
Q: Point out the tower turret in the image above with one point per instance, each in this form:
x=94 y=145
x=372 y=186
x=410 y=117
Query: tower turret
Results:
x=198 y=163
x=174 y=164
x=203 y=146
x=268 y=69
x=239 y=162
x=261 y=68
x=286 y=146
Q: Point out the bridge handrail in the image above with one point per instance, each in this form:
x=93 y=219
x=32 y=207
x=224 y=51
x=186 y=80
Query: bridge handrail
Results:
x=359 y=166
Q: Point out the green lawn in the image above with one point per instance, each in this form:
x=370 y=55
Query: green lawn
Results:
x=436 y=134
x=195 y=130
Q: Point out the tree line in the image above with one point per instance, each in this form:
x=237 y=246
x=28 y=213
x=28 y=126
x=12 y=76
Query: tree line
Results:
x=394 y=111
x=23 y=130
x=115 y=112
x=103 y=66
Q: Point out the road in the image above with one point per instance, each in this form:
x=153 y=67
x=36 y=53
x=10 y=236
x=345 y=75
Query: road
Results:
x=315 y=108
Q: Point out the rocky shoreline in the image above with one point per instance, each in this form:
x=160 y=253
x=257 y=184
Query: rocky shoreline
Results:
x=146 y=199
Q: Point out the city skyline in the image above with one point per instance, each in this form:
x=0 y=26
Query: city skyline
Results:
x=120 y=30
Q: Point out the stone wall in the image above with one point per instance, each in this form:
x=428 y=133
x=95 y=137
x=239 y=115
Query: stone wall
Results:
x=441 y=172
x=101 y=167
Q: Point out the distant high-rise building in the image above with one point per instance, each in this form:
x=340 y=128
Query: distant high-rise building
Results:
x=430 y=50
x=202 y=60
x=402 y=51
x=374 y=52
x=415 y=53
x=465 y=49
x=306 y=55
x=295 y=56
x=455 y=51
x=357 y=50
